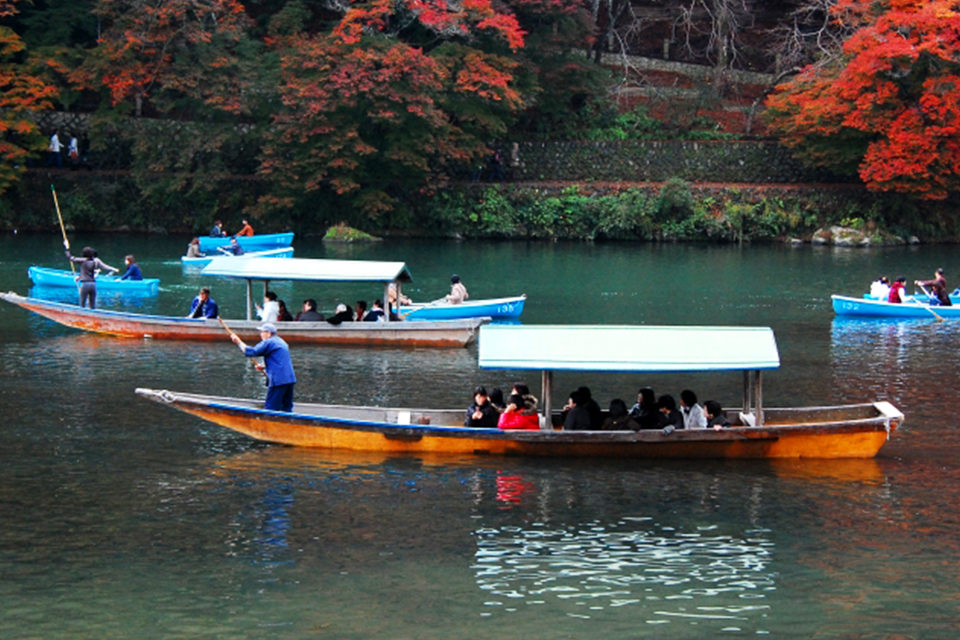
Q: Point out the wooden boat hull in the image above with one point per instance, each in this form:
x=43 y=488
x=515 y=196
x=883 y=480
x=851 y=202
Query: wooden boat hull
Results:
x=853 y=431
x=249 y=243
x=457 y=333
x=849 y=306
x=46 y=277
x=283 y=252
x=496 y=308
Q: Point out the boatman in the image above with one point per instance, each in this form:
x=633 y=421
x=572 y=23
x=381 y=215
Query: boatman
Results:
x=276 y=364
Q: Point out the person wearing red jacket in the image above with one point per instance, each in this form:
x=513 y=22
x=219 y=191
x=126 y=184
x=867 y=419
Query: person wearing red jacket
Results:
x=513 y=417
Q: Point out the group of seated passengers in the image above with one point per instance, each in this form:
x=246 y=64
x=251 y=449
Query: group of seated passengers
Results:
x=882 y=289
x=519 y=411
x=583 y=413
x=343 y=313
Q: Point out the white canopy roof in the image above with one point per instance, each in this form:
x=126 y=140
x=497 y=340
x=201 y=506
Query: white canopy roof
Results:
x=627 y=348
x=314 y=270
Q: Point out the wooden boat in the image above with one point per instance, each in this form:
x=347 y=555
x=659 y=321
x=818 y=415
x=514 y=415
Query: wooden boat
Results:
x=450 y=333
x=282 y=252
x=260 y=242
x=496 y=308
x=850 y=306
x=850 y=431
x=47 y=277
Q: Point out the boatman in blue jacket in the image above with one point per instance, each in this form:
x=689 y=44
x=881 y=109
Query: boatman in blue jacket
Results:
x=276 y=364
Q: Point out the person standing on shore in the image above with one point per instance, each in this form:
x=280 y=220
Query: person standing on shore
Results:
x=276 y=364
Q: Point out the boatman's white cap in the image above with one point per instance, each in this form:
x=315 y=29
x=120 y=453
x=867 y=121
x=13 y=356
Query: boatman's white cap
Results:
x=269 y=328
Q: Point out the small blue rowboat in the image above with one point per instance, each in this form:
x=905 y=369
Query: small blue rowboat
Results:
x=496 y=308
x=284 y=252
x=849 y=306
x=46 y=277
x=249 y=243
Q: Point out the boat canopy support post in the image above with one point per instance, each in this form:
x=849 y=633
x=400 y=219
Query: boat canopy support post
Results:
x=753 y=394
x=546 y=387
x=386 y=301
x=249 y=299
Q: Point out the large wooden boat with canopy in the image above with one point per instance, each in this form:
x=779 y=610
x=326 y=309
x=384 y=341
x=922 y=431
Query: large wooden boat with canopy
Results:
x=452 y=333
x=849 y=431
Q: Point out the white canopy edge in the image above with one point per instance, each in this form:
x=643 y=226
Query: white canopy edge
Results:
x=622 y=348
x=309 y=269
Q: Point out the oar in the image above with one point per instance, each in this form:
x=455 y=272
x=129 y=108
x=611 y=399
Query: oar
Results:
x=63 y=230
x=261 y=368
x=927 y=306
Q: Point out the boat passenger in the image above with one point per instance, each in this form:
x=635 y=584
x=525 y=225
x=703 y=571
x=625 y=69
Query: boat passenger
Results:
x=375 y=314
x=619 y=418
x=309 y=312
x=515 y=417
x=270 y=310
x=938 y=288
x=577 y=416
x=880 y=288
x=530 y=402
x=277 y=366
x=716 y=418
x=458 y=292
x=669 y=415
x=203 y=306
x=645 y=411
x=360 y=311
x=133 y=270
x=217 y=230
x=343 y=314
x=245 y=230
x=593 y=408
x=496 y=399
x=393 y=297
x=896 y=290
x=693 y=416
x=89 y=265
x=234 y=247
x=481 y=413
x=284 y=315
x=193 y=249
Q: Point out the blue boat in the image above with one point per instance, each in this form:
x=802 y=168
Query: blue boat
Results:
x=47 y=277
x=249 y=243
x=850 y=306
x=284 y=252
x=496 y=308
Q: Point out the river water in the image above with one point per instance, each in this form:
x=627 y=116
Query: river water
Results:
x=124 y=519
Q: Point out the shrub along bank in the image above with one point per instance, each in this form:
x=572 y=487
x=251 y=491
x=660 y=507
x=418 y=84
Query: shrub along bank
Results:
x=671 y=211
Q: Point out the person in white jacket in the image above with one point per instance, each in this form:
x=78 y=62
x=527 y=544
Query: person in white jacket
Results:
x=271 y=308
x=693 y=415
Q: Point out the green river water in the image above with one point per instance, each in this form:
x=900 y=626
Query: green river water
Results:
x=123 y=519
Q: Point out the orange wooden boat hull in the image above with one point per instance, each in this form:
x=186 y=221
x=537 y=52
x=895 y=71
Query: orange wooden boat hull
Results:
x=455 y=333
x=860 y=437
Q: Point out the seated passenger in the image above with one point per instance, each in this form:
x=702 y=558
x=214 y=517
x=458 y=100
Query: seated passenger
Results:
x=619 y=418
x=693 y=416
x=645 y=411
x=896 y=291
x=203 y=306
x=343 y=314
x=530 y=402
x=880 y=289
x=458 y=292
x=496 y=399
x=133 y=270
x=577 y=416
x=515 y=417
x=715 y=416
x=481 y=413
x=270 y=311
x=193 y=249
x=596 y=413
x=309 y=312
x=284 y=315
x=360 y=311
x=375 y=314
x=669 y=416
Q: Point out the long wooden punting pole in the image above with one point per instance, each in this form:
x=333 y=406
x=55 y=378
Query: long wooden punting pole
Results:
x=63 y=230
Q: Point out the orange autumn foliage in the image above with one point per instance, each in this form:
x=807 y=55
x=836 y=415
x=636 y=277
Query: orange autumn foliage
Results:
x=892 y=102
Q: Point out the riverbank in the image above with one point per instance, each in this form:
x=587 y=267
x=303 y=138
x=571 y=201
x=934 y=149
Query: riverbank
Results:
x=669 y=211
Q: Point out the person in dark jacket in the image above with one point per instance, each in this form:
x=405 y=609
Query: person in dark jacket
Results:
x=343 y=314
x=593 y=408
x=133 y=269
x=89 y=265
x=577 y=416
x=203 y=306
x=716 y=419
x=481 y=413
x=619 y=418
x=670 y=416
x=309 y=313
x=645 y=412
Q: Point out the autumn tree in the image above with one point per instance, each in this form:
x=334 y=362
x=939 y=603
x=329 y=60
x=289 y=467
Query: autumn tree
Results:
x=389 y=101
x=889 y=106
x=21 y=94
